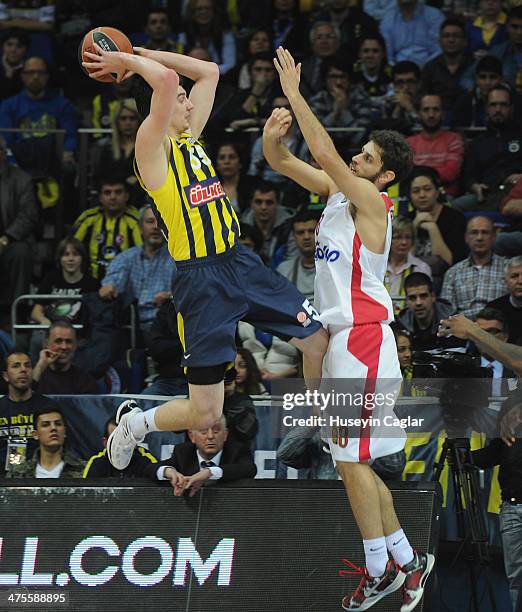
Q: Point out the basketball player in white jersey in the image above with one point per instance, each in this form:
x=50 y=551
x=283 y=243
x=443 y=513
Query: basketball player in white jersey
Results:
x=353 y=241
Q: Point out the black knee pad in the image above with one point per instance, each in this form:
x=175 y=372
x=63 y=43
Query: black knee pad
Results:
x=209 y=375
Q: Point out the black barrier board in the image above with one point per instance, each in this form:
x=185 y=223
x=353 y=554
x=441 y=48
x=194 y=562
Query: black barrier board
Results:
x=267 y=547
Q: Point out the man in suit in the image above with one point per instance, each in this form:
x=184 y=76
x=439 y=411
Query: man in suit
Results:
x=208 y=456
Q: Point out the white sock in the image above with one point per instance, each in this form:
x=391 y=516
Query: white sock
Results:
x=399 y=547
x=143 y=423
x=376 y=556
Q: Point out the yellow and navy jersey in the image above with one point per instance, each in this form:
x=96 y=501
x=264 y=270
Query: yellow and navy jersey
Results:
x=192 y=208
x=105 y=237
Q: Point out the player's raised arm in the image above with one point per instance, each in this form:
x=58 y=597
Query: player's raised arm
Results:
x=361 y=192
x=282 y=161
x=150 y=153
x=205 y=76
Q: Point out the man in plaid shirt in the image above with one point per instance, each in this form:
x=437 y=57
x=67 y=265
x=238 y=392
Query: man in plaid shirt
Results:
x=470 y=284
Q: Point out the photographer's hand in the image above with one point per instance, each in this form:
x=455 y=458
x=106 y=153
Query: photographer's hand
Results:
x=457 y=325
x=508 y=354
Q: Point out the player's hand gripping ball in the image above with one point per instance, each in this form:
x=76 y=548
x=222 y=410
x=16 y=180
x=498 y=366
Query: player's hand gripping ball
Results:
x=108 y=39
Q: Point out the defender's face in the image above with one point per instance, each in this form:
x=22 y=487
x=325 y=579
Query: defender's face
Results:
x=181 y=113
x=368 y=163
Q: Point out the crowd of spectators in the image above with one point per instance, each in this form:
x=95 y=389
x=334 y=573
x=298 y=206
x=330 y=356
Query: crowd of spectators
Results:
x=79 y=234
x=447 y=75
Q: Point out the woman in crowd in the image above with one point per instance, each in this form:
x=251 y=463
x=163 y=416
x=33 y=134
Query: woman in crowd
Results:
x=408 y=370
x=204 y=28
x=402 y=262
x=237 y=184
x=438 y=228
x=248 y=376
x=259 y=41
x=115 y=156
x=69 y=278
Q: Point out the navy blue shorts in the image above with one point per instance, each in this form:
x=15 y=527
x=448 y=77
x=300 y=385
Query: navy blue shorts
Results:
x=212 y=294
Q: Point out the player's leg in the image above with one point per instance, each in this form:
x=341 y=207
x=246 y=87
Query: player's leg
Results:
x=381 y=575
x=203 y=407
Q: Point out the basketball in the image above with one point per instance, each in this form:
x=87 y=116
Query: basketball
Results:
x=109 y=39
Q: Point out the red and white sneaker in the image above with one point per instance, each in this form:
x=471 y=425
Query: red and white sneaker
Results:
x=371 y=590
x=417 y=572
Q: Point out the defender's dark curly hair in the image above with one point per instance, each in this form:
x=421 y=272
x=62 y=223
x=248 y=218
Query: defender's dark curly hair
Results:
x=396 y=153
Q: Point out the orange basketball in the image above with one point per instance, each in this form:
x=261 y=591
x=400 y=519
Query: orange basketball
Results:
x=109 y=39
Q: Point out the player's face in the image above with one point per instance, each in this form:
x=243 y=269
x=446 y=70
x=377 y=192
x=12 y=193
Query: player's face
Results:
x=264 y=206
x=420 y=301
x=63 y=341
x=304 y=234
x=486 y=81
x=401 y=244
x=452 y=39
x=227 y=161
x=430 y=113
x=514 y=281
x=71 y=260
x=181 y=113
x=211 y=440
x=371 y=54
x=113 y=198
x=480 y=235
x=423 y=194
x=50 y=430
x=150 y=231
x=368 y=163
x=404 y=351
x=19 y=372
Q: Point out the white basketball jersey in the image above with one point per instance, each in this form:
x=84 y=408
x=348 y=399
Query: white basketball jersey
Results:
x=349 y=280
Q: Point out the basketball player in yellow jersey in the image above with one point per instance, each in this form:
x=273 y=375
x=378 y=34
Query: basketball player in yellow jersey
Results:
x=218 y=281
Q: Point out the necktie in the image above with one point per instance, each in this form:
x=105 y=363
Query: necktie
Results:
x=207 y=464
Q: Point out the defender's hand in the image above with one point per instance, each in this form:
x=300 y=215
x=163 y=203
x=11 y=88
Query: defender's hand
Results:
x=278 y=123
x=289 y=73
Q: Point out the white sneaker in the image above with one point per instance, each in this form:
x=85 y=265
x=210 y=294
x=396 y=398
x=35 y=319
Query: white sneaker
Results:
x=121 y=442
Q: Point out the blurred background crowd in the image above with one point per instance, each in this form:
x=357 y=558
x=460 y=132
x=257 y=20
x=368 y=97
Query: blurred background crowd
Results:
x=78 y=237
